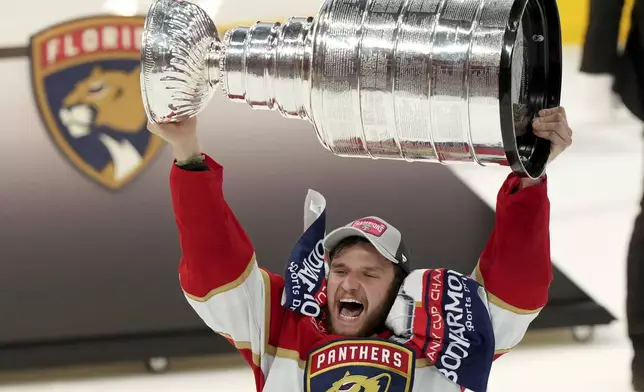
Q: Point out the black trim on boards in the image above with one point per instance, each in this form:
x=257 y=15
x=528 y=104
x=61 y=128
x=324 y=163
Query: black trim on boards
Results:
x=13 y=52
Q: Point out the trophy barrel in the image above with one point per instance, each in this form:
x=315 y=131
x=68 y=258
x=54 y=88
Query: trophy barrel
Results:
x=436 y=80
x=179 y=60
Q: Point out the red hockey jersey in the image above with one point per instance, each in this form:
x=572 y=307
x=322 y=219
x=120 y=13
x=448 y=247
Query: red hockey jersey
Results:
x=289 y=351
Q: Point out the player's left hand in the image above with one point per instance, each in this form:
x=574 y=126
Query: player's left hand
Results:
x=552 y=124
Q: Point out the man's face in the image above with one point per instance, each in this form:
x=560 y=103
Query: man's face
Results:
x=358 y=288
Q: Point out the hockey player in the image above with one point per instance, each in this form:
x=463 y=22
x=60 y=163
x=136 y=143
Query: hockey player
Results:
x=381 y=326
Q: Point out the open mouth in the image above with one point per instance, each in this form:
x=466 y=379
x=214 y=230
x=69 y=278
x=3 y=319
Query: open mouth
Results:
x=350 y=309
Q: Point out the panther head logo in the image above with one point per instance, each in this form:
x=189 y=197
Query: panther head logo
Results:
x=357 y=383
x=110 y=98
x=85 y=77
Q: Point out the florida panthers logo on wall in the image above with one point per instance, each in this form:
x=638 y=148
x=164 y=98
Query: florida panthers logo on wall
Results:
x=85 y=76
x=353 y=365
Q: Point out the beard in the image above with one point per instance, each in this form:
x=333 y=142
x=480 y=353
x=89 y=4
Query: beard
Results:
x=374 y=323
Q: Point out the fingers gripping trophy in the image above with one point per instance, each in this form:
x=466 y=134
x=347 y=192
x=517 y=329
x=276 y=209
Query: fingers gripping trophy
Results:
x=413 y=80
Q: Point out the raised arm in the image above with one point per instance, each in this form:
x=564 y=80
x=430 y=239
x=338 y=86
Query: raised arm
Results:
x=461 y=324
x=515 y=267
x=218 y=271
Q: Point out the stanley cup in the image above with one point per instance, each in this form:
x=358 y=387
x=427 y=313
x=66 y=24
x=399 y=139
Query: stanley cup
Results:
x=414 y=80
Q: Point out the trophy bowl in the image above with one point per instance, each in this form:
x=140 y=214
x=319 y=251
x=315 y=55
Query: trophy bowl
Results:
x=178 y=78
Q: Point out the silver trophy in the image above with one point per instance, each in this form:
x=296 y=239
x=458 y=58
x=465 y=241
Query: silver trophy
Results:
x=415 y=80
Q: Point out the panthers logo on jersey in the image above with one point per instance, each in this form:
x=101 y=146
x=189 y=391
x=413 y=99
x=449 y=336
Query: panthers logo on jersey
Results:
x=85 y=76
x=360 y=365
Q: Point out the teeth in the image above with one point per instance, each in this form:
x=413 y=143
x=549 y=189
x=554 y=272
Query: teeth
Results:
x=347 y=315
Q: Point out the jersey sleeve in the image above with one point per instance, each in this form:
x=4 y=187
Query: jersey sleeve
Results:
x=460 y=323
x=515 y=266
x=218 y=272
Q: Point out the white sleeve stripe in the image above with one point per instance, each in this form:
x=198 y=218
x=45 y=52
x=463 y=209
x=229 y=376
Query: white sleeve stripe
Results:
x=509 y=327
x=239 y=314
x=493 y=299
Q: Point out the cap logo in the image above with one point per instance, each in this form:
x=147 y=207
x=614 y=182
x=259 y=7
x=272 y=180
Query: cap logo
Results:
x=370 y=226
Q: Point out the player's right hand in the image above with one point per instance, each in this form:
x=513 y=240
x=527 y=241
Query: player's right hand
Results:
x=182 y=137
x=175 y=133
